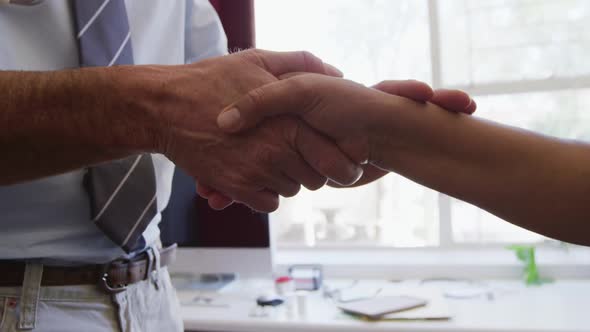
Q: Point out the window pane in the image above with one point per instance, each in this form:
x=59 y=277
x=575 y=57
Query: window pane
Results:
x=391 y=212
x=563 y=114
x=369 y=41
x=509 y=40
x=474 y=225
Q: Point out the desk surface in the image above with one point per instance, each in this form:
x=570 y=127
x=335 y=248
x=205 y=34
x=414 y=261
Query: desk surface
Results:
x=563 y=306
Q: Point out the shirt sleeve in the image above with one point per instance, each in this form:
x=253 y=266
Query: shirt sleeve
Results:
x=204 y=35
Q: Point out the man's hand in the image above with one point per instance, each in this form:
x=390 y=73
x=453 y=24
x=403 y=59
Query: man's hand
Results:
x=256 y=166
x=452 y=100
x=58 y=121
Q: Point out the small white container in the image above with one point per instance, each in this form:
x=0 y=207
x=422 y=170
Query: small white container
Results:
x=301 y=304
x=284 y=286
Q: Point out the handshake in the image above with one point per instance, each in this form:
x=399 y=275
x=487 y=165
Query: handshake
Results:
x=256 y=124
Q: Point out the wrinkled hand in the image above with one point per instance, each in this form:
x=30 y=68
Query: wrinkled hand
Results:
x=253 y=167
x=452 y=100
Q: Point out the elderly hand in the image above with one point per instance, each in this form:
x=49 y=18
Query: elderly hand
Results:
x=256 y=166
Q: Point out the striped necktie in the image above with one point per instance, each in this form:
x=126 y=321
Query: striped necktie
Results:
x=122 y=192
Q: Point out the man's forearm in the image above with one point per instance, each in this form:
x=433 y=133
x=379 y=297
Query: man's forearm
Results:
x=54 y=122
x=537 y=182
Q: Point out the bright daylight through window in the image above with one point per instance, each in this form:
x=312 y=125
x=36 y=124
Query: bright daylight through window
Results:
x=524 y=61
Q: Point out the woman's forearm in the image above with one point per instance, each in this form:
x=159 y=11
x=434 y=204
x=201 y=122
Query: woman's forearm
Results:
x=537 y=182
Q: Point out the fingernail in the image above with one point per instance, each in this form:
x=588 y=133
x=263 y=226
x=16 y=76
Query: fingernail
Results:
x=467 y=108
x=229 y=119
x=356 y=172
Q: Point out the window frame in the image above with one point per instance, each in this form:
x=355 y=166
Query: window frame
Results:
x=418 y=263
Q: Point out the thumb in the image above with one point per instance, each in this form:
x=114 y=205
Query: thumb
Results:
x=288 y=96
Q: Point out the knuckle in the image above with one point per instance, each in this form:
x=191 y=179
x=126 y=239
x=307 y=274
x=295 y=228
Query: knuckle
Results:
x=250 y=53
x=253 y=51
x=255 y=56
x=256 y=96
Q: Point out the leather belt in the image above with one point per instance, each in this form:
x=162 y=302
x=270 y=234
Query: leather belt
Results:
x=113 y=277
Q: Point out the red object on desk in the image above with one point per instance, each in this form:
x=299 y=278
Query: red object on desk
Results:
x=237 y=18
x=281 y=280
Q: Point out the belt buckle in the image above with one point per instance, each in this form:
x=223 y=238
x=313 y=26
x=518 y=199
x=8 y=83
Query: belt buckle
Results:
x=104 y=281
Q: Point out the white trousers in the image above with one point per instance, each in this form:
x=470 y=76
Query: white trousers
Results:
x=149 y=305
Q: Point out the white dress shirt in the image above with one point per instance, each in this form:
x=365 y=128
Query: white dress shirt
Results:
x=50 y=218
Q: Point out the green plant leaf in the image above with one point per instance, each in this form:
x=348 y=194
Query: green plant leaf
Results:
x=526 y=254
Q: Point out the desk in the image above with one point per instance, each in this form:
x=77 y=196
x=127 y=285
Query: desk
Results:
x=563 y=306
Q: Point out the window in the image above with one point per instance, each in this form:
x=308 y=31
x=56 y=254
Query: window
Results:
x=524 y=61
